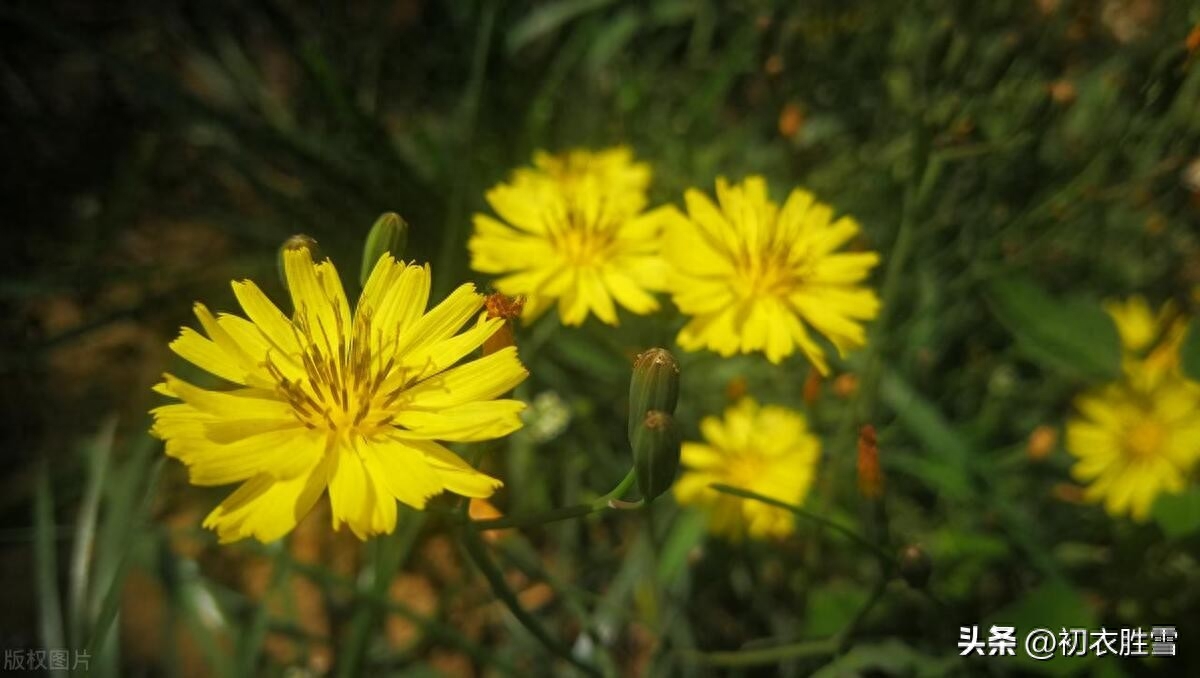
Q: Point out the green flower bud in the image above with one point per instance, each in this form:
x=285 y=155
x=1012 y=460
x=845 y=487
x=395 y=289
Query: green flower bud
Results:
x=655 y=386
x=389 y=234
x=298 y=241
x=656 y=447
x=915 y=566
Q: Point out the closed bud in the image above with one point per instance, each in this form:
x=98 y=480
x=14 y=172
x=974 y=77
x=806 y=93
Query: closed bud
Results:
x=296 y=242
x=915 y=566
x=388 y=235
x=655 y=385
x=656 y=447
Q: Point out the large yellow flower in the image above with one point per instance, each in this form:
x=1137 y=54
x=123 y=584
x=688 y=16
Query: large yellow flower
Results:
x=575 y=232
x=1140 y=436
x=755 y=277
x=767 y=450
x=330 y=399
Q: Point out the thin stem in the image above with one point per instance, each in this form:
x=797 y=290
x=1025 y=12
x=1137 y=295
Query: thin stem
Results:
x=257 y=630
x=616 y=492
x=853 y=536
x=532 y=519
x=846 y=633
x=806 y=649
x=929 y=170
x=477 y=551
x=392 y=552
x=430 y=627
x=610 y=500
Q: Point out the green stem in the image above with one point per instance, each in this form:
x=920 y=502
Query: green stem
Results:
x=929 y=170
x=846 y=633
x=853 y=536
x=806 y=649
x=532 y=519
x=616 y=492
x=393 y=550
x=564 y=512
x=475 y=548
x=430 y=627
x=257 y=631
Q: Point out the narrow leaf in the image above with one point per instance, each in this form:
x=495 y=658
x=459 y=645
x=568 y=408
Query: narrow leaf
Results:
x=1073 y=335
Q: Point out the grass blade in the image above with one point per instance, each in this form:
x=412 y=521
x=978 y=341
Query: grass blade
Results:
x=98 y=453
x=46 y=565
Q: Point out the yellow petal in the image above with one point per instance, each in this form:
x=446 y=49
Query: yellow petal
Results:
x=399 y=306
x=267 y=317
x=354 y=499
x=281 y=453
x=266 y=508
x=317 y=296
x=400 y=468
x=439 y=356
x=443 y=320
x=457 y=475
x=238 y=404
x=483 y=420
x=481 y=379
x=627 y=293
x=205 y=354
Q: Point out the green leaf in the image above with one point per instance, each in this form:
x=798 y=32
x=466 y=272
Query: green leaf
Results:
x=546 y=19
x=687 y=531
x=97 y=456
x=1178 y=514
x=1189 y=353
x=613 y=38
x=1073 y=335
x=948 y=453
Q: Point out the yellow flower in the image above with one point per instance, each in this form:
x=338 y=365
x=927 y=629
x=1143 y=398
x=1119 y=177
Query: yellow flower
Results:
x=575 y=232
x=754 y=276
x=767 y=450
x=330 y=399
x=1138 y=437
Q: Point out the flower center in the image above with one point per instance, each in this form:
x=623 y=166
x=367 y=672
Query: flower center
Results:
x=583 y=244
x=765 y=273
x=1145 y=439
x=746 y=470
x=342 y=387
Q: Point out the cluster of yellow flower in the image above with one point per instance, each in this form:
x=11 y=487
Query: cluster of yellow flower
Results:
x=1140 y=436
x=354 y=401
x=751 y=275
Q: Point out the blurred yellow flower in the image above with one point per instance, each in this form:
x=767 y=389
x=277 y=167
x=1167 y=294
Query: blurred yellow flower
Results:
x=767 y=450
x=573 y=230
x=330 y=399
x=754 y=276
x=1138 y=437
